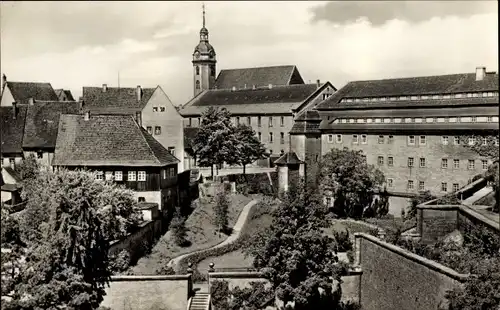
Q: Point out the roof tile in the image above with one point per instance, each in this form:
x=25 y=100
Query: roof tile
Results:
x=115 y=100
x=12 y=129
x=38 y=91
x=258 y=77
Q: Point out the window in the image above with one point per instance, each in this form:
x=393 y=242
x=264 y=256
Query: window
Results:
x=197 y=70
x=380 y=139
x=260 y=136
x=355 y=139
x=237 y=120
x=440 y=120
x=471 y=140
x=282 y=121
x=380 y=160
x=164 y=173
x=422 y=162
x=387 y=120
x=271 y=137
x=378 y=120
x=282 y=137
x=456 y=163
x=162 y=109
x=421 y=186
x=270 y=121
x=141 y=176
x=410 y=161
x=325 y=96
x=249 y=121
x=282 y=152
x=456 y=140
x=39 y=155
x=109 y=175
x=141 y=199
x=118 y=176
x=131 y=176
x=444 y=163
x=171 y=172
x=410 y=185
x=364 y=139
x=485 y=141
x=190 y=122
x=99 y=175
x=197 y=84
x=330 y=138
x=490 y=119
x=270 y=151
x=444 y=140
x=390 y=161
x=456 y=187
x=411 y=140
x=429 y=119
x=452 y=120
x=390 y=182
x=171 y=150
x=199 y=121
x=422 y=140
x=390 y=140
x=471 y=164
x=259 y=121
x=444 y=187
x=150 y=129
x=339 y=138
x=418 y=120
x=12 y=161
x=157 y=130
x=473 y=119
x=155 y=109
x=484 y=164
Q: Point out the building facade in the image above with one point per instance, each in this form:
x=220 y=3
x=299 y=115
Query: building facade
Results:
x=412 y=129
x=151 y=107
x=118 y=149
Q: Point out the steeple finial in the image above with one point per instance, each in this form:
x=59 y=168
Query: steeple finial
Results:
x=203 y=6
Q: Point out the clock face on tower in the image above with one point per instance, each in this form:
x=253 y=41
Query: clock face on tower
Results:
x=197 y=54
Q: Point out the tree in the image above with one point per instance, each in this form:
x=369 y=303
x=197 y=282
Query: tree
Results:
x=67 y=264
x=250 y=148
x=352 y=182
x=296 y=257
x=215 y=141
x=221 y=209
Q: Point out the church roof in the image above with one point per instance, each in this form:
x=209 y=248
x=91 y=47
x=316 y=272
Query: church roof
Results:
x=107 y=140
x=21 y=91
x=42 y=121
x=425 y=85
x=258 y=77
x=115 y=100
x=278 y=99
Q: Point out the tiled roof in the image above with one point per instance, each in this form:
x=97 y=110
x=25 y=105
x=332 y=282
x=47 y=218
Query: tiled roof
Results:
x=426 y=85
x=107 y=140
x=278 y=99
x=38 y=91
x=289 y=158
x=12 y=129
x=42 y=121
x=261 y=76
x=189 y=134
x=115 y=100
x=307 y=121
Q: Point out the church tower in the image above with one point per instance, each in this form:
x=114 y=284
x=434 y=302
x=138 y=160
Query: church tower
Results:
x=203 y=62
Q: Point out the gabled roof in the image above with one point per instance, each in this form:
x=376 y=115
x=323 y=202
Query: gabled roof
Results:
x=115 y=100
x=42 y=122
x=425 y=85
x=278 y=99
x=12 y=129
x=62 y=92
x=107 y=140
x=289 y=158
x=258 y=77
x=21 y=91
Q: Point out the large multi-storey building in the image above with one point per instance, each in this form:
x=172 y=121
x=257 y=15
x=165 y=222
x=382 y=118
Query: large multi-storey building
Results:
x=410 y=128
x=266 y=98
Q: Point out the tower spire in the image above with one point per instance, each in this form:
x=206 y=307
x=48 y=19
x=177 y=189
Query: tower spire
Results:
x=203 y=6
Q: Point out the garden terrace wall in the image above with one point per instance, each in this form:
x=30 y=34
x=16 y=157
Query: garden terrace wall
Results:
x=148 y=292
x=394 y=278
x=436 y=221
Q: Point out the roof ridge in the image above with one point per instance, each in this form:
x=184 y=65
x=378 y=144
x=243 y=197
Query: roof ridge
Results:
x=414 y=77
x=275 y=66
x=145 y=140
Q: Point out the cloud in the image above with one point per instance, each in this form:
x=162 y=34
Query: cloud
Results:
x=381 y=12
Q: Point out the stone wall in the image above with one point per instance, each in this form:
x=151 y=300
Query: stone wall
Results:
x=148 y=292
x=394 y=278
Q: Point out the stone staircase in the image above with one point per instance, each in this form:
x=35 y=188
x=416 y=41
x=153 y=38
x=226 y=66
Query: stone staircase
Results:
x=200 y=301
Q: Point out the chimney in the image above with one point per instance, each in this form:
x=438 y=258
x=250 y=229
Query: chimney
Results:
x=245 y=86
x=139 y=93
x=234 y=88
x=480 y=73
x=138 y=118
x=318 y=83
x=14 y=110
x=4 y=80
x=253 y=86
x=80 y=103
x=270 y=86
x=104 y=87
x=31 y=101
x=87 y=116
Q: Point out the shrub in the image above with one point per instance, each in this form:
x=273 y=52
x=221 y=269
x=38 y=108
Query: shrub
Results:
x=121 y=262
x=178 y=229
x=219 y=291
x=221 y=209
x=343 y=241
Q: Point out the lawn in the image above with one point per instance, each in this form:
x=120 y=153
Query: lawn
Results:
x=201 y=233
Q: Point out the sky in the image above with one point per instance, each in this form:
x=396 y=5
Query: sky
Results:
x=76 y=44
